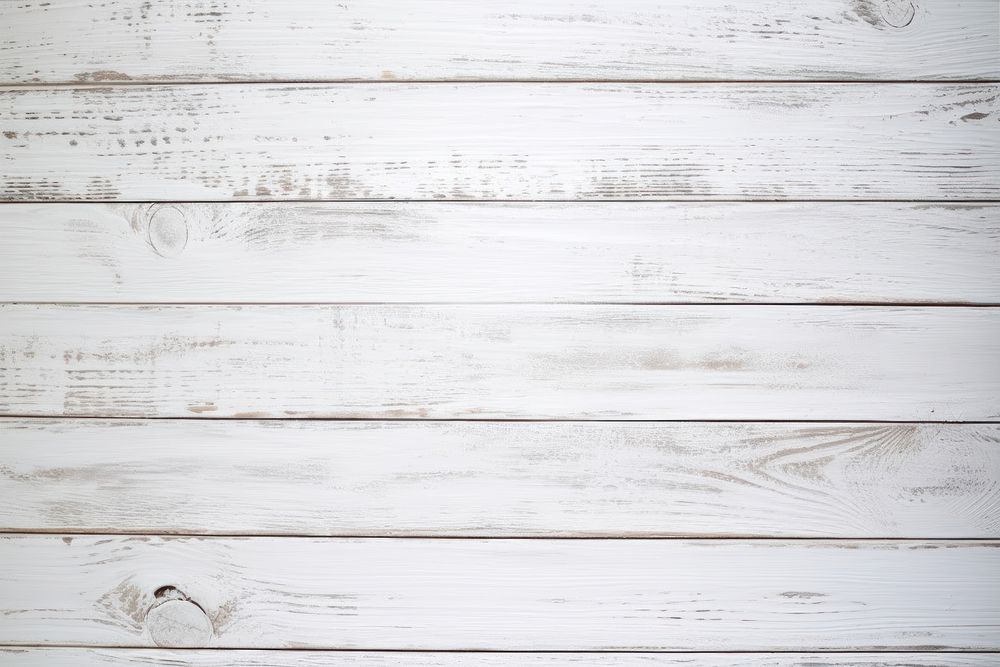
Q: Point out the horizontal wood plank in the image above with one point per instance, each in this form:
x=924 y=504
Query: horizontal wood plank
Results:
x=501 y=141
x=500 y=479
x=258 y=40
x=82 y=657
x=622 y=252
x=502 y=361
x=499 y=594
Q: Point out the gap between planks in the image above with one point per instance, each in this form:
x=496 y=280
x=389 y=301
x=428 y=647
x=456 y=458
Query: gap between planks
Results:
x=448 y=200
x=476 y=537
x=490 y=420
x=665 y=304
x=396 y=82
x=473 y=202
x=223 y=651
x=865 y=304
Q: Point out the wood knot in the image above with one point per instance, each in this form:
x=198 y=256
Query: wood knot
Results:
x=168 y=230
x=176 y=621
x=898 y=13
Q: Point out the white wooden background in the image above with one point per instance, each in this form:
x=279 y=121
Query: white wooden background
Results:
x=535 y=332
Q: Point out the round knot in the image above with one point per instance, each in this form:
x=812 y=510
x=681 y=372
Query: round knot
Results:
x=168 y=231
x=898 y=13
x=175 y=621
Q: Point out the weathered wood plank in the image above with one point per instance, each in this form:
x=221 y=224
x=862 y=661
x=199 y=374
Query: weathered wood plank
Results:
x=200 y=40
x=82 y=657
x=499 y=594
x=473 y=252
x=502 y=361
x=501 y=141
x=500 y=479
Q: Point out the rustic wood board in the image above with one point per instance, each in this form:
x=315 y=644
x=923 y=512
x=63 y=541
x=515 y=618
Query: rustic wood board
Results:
x=500 y=479
x=500 y=594
x=650 y=252
x=502 y=361
x=501 y=141
x=115 y=41
x=82 y=657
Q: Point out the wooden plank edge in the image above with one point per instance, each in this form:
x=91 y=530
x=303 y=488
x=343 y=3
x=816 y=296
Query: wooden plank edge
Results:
x=69 y=656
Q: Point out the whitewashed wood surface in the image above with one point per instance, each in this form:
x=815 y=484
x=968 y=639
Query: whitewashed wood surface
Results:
x=500 y=594
x=82 y=657
x=249 y=402
x=650 y=252
x=201 y=40
x=502 y=361
x=501 y=141
x=500 y=479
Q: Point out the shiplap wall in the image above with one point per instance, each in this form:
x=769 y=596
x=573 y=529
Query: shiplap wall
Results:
x=680 y=346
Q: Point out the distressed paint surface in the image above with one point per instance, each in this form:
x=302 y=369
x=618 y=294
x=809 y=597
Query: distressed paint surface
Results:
x=508 y=594
x=432 y=252
x=255 y=40
x=123 y=192
x=501 y=141
x=500 y=479
x=80 y=657
x=502 y=361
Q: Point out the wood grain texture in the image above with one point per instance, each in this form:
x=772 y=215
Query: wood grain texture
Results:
x=507 y=594
x=502 y=361
x=501 y=141
x=500 y=479
x=476 y=252
x=81 y=657
x=202 y=40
